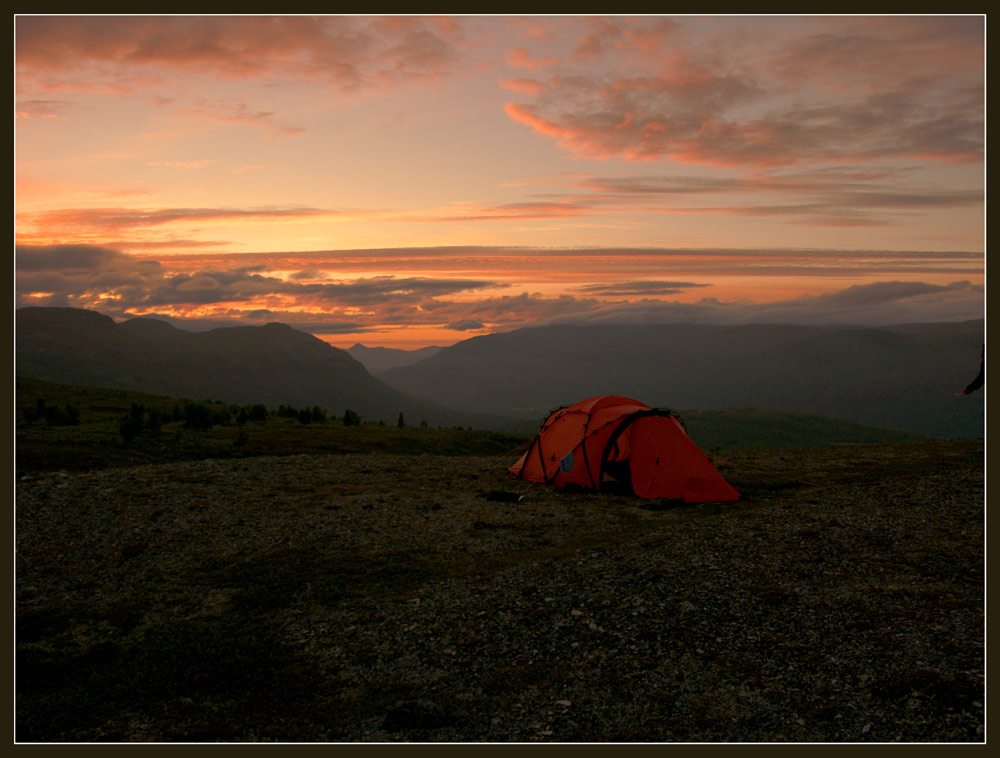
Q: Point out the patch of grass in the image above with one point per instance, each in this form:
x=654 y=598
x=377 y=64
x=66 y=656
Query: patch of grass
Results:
x=753 y=428
x=97 y=442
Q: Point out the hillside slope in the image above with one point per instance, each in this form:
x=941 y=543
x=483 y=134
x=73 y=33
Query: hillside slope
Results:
x=272 y=364
x=377 y=359
x=903 y=377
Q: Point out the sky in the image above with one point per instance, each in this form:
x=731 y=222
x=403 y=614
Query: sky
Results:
x=403 y=181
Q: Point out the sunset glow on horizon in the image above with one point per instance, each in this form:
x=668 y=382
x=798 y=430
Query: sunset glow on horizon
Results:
x=414 y=180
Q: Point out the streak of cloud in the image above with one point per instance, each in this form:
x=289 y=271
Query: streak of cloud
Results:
x=122 y=285
x=646 y=288
x=82 y=223
x=604 y=263
x=465 y=325
x=518 y=57
x=878 y=304
x=241 y=113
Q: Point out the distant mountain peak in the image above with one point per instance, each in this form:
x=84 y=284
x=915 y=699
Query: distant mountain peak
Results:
x=377 y=359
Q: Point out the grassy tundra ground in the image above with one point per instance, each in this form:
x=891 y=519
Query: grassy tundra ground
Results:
x=305 y=598
x=377 y=594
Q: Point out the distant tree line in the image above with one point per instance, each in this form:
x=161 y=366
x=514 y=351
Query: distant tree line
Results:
x=197 y=416
x=149 y=421
x=53 y=415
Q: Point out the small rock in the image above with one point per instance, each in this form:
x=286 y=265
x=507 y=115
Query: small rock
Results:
x=564 y=703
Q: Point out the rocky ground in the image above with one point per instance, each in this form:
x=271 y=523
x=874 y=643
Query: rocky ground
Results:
x=382 y=598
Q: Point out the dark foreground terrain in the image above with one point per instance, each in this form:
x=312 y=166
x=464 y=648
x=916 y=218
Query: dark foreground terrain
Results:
x=377 y=597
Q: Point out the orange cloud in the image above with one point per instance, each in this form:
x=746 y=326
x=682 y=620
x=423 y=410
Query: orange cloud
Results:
x=518 y=57
x=881 y=89
x=40 y=109
x=567 y=136
x=182 y=165
x=346 y=51
x=608 y=36
x=528 y=86
x=132 y=226
x=241 y=113
x=507 y=212
x=597 y=285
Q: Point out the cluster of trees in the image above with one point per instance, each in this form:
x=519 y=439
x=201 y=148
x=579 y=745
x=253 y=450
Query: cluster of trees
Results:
x=53 y=415
x=137 y=421
x=353 y=419
x=304 y=415
x=198 y=416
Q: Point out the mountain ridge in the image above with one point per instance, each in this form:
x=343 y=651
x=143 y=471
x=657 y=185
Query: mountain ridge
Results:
x=272 y=364
x=902 y=377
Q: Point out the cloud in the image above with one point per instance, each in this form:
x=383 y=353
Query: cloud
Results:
x=344 y=51
x=310 y=323
x=864 y=295
x=884 y=88
x=95 y=277
x=465 y=325
x=208 y=291
x=181 y=165
x=518 y=57
x=308 y=274
x=77 y=274
x=604 y=264
x=521 y=309
x=817 y=197
x=540 y=209
x=535 y=28
x=644 y=287
x=69 y=258
x=520 y=84
x=41 y=108
x=241 y=113
x=83 y=223
x=878 y=304
x=607 y=36
x=384 y=289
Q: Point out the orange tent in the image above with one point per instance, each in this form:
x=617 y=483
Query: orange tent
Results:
x=612 y=443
